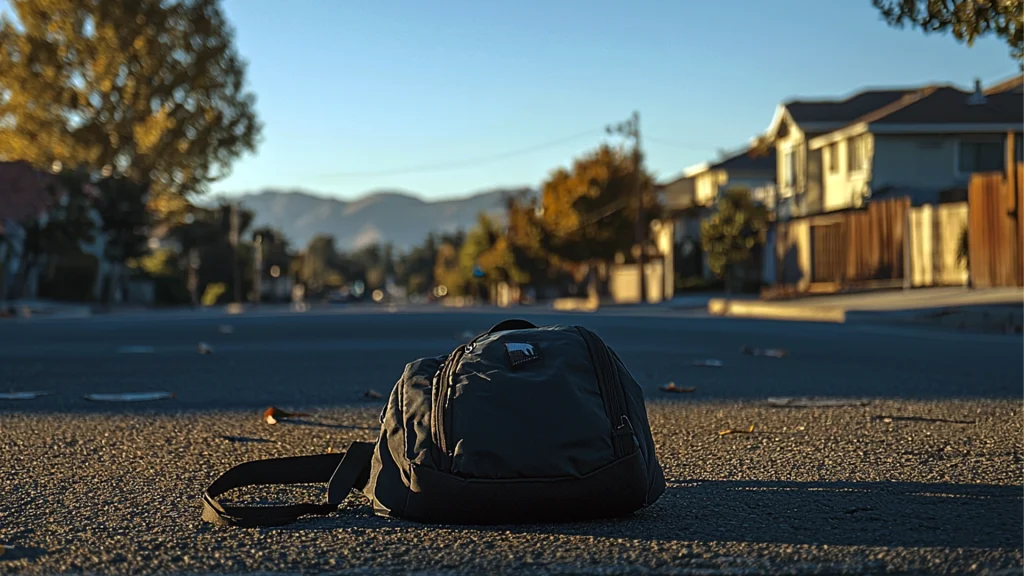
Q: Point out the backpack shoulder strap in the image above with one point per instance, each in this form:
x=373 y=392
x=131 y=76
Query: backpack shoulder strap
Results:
x=342 y=472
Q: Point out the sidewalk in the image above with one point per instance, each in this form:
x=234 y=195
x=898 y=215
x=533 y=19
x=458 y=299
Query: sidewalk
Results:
x=995 y=309
x=32 y=307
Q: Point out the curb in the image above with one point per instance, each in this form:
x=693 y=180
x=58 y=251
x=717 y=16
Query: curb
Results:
x=769 y=311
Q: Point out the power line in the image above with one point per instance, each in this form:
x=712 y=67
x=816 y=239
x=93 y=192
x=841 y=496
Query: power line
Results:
x=677 y=144
x=465 y=163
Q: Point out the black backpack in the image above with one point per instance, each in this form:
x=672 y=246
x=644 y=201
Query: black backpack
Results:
x=522 y=424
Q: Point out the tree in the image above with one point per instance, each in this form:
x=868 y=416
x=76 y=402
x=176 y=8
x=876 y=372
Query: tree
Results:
x=447 y=271
x=589 y=212
x=275 y=247
x=62 y=228
x=152 y=89
x=730 y=234
x=320 y=264
x=968 y=20
x=124 y=224
x=415 y=269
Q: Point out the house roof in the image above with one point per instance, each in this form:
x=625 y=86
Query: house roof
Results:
x=931 y=104
x=935 y=105
x=743 y=161
x=843 y=111
x=24 y=191
x=1014 y=84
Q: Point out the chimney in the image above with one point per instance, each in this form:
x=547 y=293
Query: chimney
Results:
x=978 y=97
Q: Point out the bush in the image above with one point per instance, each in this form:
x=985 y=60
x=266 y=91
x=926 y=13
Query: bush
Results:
x=170 y=291
x=213 y=293
x=71 y=279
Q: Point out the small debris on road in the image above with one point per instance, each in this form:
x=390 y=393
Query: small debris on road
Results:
x=205 y=348
x=816 y=402
x=769 y=352
x=22 y=395
x=372 y=394
x=130 y=397
x=671 y=387
x=225 y=329
x=737 y=431
x=135 y=350
x=466 y=335
x=711 y=362
x=273 y=414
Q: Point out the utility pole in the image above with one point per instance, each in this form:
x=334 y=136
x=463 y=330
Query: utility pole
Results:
x=631 y=129
x=236 y=277
x=258 y=265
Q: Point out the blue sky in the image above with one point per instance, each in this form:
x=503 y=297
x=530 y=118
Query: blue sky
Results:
x=377 y=86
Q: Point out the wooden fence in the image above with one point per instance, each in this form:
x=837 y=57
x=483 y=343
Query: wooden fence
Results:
x=996 y=229
x=844 y=249
x=935 y=234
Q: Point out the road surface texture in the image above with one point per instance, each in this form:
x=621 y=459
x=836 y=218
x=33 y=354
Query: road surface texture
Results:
x=926 y=478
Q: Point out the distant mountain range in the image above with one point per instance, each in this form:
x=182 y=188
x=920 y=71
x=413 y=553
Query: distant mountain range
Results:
x=385 y=216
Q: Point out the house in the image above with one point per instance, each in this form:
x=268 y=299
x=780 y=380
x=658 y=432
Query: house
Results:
x=690 y=198
x=912 y=142
x=904 y=155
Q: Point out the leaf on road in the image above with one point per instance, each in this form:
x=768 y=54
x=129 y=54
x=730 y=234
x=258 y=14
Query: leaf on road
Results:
x=273 y=414
x=372 y=394
x=671 y=387
x=768 y=352
x=22 y=395
x=130 y=397
x=816 y=402
x=711 y=362
x=737 y=431
x=205 y=348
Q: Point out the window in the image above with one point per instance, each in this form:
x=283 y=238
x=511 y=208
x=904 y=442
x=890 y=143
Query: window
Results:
x=789 y=168
x=981 y=155
x=833 y=158
x=857 y=153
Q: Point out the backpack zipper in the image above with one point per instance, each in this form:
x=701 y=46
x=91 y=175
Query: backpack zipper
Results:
x=441 y=424
x=623 y=439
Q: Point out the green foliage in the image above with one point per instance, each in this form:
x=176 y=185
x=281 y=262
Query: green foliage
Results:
x=963 y=252
x=968 y=20
x=152 y=88
x=728 y=236
x=125 y=220
x=447 y=270
x=415 y=269
x=65 y=225
x=159 y=263
x=213 y=293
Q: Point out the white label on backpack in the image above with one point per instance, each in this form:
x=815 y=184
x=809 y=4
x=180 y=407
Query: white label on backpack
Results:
x=520 y=353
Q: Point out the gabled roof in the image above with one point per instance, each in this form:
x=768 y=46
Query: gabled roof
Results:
x=928 y=107
x=843 y=111
x=949 y=105
x=743 y=161
x=1015 y=85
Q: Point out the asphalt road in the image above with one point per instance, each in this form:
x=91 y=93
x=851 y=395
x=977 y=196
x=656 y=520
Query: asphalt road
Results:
x=926 y=478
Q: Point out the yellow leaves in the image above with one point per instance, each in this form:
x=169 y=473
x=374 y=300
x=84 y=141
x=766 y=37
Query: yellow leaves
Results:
x=150 y=131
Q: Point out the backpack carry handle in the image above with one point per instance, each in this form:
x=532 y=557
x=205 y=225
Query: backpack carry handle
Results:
x=342 y=472
x=512 y=324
